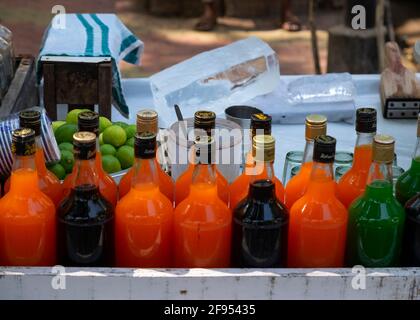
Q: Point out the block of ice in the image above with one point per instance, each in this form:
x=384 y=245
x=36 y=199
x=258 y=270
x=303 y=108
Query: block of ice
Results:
x=216 y=79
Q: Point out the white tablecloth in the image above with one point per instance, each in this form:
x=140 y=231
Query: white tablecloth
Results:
x=291 y=137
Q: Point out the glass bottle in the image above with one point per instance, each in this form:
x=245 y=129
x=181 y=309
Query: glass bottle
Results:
x=353 y=183
x=47 y=181
x=410 y=256
x=202 y=222
x=89 y=121
x=204 y=124
x=143 y=217
x=318 y=220
x=85 y=216
x=376 y=218
x=147 y=121
x=408 y=184
x=260 y=226
x=263 y=147
x=315 y=125
x=27 y=215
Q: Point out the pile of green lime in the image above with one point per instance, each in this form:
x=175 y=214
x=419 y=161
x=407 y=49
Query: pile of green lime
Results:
x=116 y=142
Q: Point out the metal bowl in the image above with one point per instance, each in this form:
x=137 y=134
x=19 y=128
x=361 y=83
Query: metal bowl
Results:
x=241 y=115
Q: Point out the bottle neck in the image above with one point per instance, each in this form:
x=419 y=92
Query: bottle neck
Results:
x=363 y=151
x=145 y=174
x=39 y=156
x=380 y=180
x=204 y=178
x=85 y=173
x=24 y=177
x=416 y=155
x=308 y=152
x=264 y=169
x=261 y=196
x=322 y=175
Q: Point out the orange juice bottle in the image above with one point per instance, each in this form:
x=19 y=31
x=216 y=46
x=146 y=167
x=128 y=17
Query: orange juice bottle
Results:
x=318 y=220
x=315 y=125
x=204 y=123
x=47 y=181
x=89 y=121
x=143 y=217
x=261 y=125
x=27 y=215
x=263 y=147
x=147 y=121
x=353 y=183
x=202 y=222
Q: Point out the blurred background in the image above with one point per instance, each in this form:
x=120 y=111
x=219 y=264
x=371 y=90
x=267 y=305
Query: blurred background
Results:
x=168 y=27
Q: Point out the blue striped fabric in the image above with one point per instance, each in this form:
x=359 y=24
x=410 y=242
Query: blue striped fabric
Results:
x=7 y=125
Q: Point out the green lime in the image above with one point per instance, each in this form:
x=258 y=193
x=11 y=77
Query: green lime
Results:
x=101 y=139
x=58 y=170
x=66 y=146
x=56 y=124
x=104 y=123
x=114 y=135
x=108 y=149
x=130 y=131
x=71 y=117
x=130 y=142
x=67 y=160
x=125 y=155
x=121 y=124
x=65 y=133
x=110 y=164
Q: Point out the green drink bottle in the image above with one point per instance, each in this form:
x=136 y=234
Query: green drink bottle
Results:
x=376 y=219
x=408 y=184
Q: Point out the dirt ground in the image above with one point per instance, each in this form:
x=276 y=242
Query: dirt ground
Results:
x=170 y=40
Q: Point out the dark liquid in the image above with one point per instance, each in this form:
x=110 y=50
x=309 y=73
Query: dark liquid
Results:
x=260 y=235
x=411 y=240
x=86 y=229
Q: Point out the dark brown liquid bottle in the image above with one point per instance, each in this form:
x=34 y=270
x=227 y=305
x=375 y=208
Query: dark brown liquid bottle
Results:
x=85 y=217
x=411 y=239
x=260 y=229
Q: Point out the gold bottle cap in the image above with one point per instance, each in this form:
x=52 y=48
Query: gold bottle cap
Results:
x=205 y=120
x=315 y=125
x=84 y=137
x=147 y=121
x=418 y=126
x=23 y=142
x=263 y=148
x=383 y=148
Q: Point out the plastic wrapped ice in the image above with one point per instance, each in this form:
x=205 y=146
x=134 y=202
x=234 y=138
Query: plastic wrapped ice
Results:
x=332 y=87
x=216 y=79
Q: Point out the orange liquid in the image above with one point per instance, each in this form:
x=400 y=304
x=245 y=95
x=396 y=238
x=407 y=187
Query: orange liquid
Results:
x=183 y=183
x=27 y=223
x=296 y=187
x=166 y=184
x=107 y=186
x=202 y=230
x=239 y=188
x=317 y=228
x=143 y=228
x=353 y=183
x=47 y=181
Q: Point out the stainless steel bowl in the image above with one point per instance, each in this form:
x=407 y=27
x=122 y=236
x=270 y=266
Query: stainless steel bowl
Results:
x=241 y=115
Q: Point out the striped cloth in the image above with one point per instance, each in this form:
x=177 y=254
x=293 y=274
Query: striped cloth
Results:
x=7 y=125
x=93 y=35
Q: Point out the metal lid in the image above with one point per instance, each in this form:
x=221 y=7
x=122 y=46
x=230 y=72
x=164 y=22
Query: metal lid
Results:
x=315 y=125
x=147 y=121
x=260 y=121
x=23 y=142
x=88 y=121
x=383 y=148
x=31 y=119
x=324 y=149
x=263 y=148
x=205 y=120
x=366 y=120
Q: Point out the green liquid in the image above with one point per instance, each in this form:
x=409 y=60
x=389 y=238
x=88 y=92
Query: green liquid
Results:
x=375 y=228
x=408 y=184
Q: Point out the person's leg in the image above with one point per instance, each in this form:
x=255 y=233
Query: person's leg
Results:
x=289 y=21
x=208 y=20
